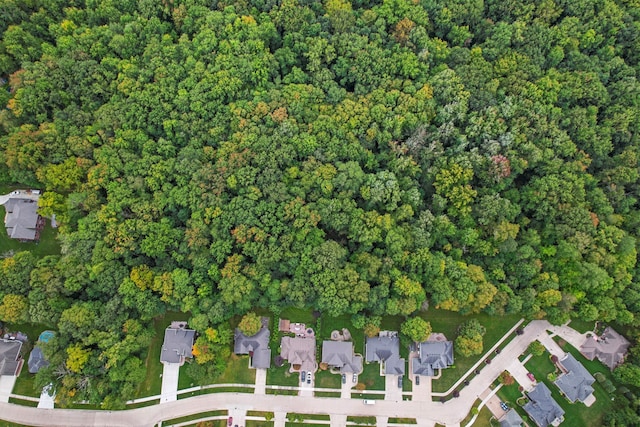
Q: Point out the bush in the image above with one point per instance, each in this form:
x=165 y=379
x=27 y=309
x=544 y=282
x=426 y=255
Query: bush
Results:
x=536 y=348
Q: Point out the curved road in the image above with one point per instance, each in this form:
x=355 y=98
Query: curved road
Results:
x=449 y=413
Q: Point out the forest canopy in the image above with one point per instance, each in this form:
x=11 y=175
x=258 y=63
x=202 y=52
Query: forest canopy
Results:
x=367 y=157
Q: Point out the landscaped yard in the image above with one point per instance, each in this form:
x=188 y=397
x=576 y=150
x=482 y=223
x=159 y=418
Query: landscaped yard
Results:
x=576 y=414
x=26 y=381
x=48 y=244
x=153 y=381
x=282 y=376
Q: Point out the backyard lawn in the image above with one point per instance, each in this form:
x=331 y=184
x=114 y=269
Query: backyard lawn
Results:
x=582 y=326
x=25 y=383
x=576 y=414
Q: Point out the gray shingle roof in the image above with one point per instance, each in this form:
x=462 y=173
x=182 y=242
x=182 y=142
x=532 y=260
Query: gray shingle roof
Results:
x=9 y=356
x=386 y=350
x=433 y=355
x=177 y=345
x=339 y=354
x=256 y=345
x=541 y=407
x=511 y=419
x=610 y=348
x=37 y=360
x=21 y=219
x=576 y=383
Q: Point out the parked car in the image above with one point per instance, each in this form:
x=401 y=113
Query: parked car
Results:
x=309 y=377
x=504 y=406
x=344 y=378
x=530 y=376
x=303 y=376
x=355 y=378
x=400 y=382
x=230 y=421
x=417 y=380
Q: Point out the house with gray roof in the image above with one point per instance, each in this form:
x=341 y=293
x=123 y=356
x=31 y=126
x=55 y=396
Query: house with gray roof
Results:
x=300 y=353
x=256 y=346
x=542 y=409
x=432 y=356
x=511 y=419
x=610 y=348
x=10 y=358
x=22 y=220
x=339 y=355
x=178 y=343
x=385 y=349
x=575 y=382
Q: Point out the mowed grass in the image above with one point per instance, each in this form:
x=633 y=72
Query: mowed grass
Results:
x=48 y=244
x=152 y=383
x=582 y=326
x=25 y=383
x=576 y=414
x=447 y=322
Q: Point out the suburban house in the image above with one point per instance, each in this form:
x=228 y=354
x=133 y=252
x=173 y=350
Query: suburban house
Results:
x=10 y=358
x=339 y=355
x=300 y=353
x=610 y=348
x=37 y=360
x=178 y=343
x=256 y=346
x=542 y=409
x=511 y=419
x=385 y=349
x=22 y=220
x=435 y=353
x=575 y=381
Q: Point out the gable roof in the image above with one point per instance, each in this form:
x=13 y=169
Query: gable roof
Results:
x=21 y=219
x=541 y=407
x=610 y=348
x=257 y=346
x=511 y=419
x=299 y=351
x=9 y=356
x=36 y=360
x=576 y=382
x=385 y=349
x=339 y=354
x=432 y=355
x=177 y=345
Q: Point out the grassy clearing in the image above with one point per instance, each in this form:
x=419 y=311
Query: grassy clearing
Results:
x=152 y=383
x=576 y=414
x=297 y=315
x=582 y=326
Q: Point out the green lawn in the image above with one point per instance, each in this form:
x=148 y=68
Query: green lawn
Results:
x=25 y=383
x=582 y=326
x=297 y=315
x=576 y=414
x=325 y=379
x=510 y=394
x=371 y=377
x=197 y=417
x=282 y=376
x=447 y=322
x=237 y=371
x=152 y=383
x=48 y=244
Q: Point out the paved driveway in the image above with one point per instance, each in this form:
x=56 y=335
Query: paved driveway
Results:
x=391 y=390
x=170 y=374
x=421 y=392
x=6 y=386
x=519 y=373
x=46 y=401
x=306 y=389
x=261 y=381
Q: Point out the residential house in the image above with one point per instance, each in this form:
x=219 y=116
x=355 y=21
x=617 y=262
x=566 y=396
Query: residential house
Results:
x=22 y=220
x=575 y=382
x=511 y=419
x=542 y=409
x=10 y=358
x=256 y=346
x=339 y=355
x=37 y=360
x=300 y=353
x=178 y=343
x=432 y=355
x=610 y=348
x=385 y=349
